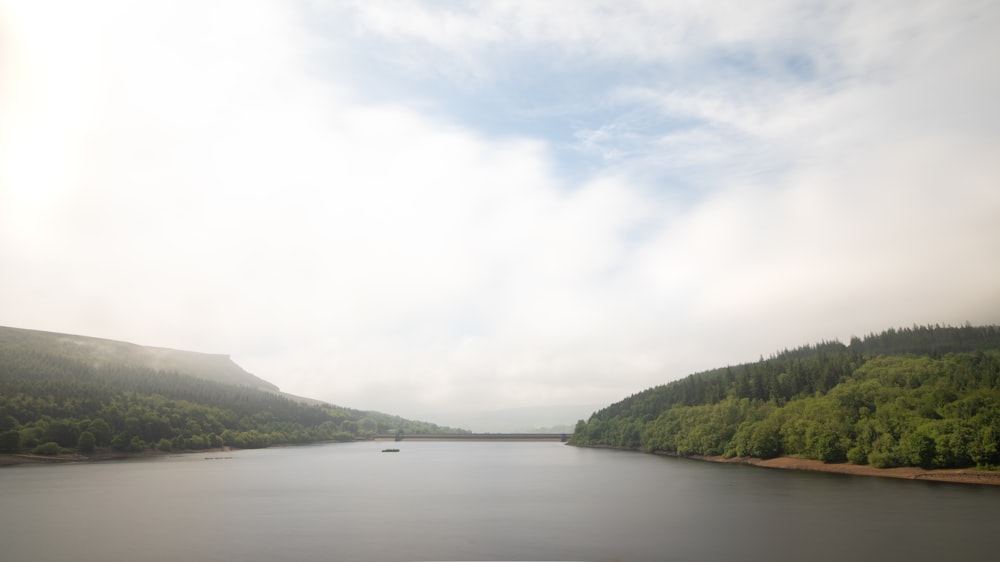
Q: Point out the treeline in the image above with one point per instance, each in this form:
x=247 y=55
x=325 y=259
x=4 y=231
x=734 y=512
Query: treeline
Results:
x=52 y=403
x=923 y=396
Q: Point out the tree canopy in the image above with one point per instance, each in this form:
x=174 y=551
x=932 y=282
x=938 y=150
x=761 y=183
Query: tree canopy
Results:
x=924 y=396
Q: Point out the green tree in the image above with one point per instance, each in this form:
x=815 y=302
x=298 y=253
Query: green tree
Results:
x=136 y=445
x=986 y=449
x=119 y=442
x=10 y=441
x=829 y=448
x=229 y=438
x=101 y=431
x=763 y=440
x=31 y=437
x=7 y=422
x=86 y=443
x=64 y=432
x=918 y=449
x=48 y=448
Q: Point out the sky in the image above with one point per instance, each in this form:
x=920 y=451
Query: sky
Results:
x=450 y=210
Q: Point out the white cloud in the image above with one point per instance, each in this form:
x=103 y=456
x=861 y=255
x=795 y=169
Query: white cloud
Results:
x=207 y=183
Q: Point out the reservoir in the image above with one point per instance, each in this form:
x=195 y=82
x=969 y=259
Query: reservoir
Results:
x=478 y=501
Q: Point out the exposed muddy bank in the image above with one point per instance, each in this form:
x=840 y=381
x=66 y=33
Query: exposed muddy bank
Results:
x=956 y=475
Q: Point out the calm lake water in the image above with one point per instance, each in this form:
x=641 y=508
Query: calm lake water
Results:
x=478 y=501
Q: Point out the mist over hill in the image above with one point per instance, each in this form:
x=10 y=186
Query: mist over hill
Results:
x=99 y=353
x=69 y=393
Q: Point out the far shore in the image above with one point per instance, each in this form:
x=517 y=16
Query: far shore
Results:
x=17 y=459
x=954 y=475
x=14 y=459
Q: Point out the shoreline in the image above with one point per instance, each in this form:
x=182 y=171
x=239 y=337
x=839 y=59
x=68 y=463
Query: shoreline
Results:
x=971 y=476
x=20 y=459
x=953 y=475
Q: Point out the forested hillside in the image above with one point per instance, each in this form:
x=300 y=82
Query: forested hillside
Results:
x=922 y=396
x=66 y=396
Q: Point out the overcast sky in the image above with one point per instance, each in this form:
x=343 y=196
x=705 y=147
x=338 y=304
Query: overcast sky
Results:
x=437 y=208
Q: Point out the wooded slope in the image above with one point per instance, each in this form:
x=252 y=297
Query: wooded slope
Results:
x=922 y=396
x=60 y=393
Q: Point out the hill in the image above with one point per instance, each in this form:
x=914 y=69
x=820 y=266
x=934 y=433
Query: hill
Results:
x=98 y=353
x=63 y=393
x=922 y=396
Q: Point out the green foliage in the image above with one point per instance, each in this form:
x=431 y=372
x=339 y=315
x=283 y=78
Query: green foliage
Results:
x=30 y=437
x=10 y=441
x=101 y=432
x=86 y=443
x=135 y=445
x=857 y=455
x=65 y=432
x=927 y=396
x=59 y=389
x=49 y=448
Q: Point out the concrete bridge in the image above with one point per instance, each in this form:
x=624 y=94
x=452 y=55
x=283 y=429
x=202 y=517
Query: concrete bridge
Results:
x=475 y=437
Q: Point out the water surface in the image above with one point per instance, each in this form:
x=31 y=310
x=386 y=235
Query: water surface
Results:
x=478 y=501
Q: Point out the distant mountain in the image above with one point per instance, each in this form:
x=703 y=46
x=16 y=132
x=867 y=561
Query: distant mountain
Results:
x=98 y=353
x=925 y=396
x=64 y=393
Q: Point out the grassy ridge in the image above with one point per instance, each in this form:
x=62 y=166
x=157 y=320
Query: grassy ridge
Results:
x=922 y=396
x=99 y=352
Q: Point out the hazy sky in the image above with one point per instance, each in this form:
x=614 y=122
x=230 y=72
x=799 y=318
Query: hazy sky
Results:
x=436 y=208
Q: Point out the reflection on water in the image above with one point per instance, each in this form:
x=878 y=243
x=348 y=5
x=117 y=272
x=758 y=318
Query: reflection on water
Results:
x=478 y=501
